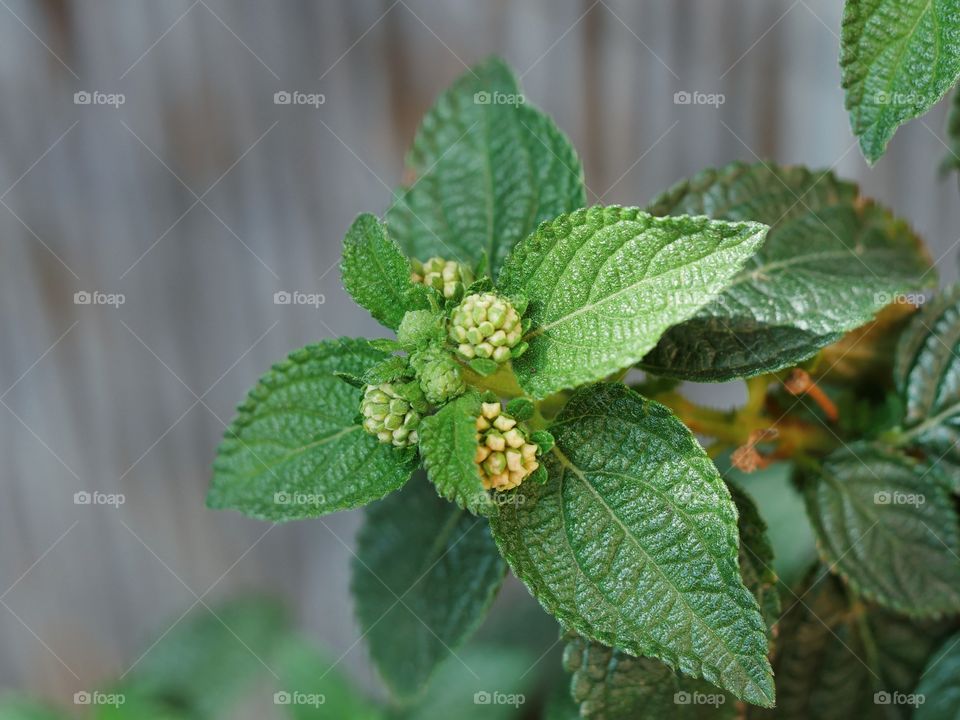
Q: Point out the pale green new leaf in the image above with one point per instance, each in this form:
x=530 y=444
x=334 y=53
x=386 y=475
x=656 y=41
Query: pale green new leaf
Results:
x=887 y=524
x=898 y=58
x=940 y=684
x=604 y=283
x=608 y=684
x=831 y=261
x=927 y=371
x=424 y=577
x=375 y=272
x=448 y=446
x=632 y=542
x=487 y=168
x=295 y=449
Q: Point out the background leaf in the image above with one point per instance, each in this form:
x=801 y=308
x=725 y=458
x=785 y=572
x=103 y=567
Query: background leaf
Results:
x=485 y=173
x=632 y=542
x=425 y=574
x=952 y=160
x=887 y=524
x=448 y=445
x=295 y=449
x=940 y=683
x=897 y=59
x=830 y=263
x=756 y=556
x=605 y=283
x=375 y=272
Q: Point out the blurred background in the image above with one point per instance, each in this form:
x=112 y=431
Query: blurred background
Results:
x=184 y=191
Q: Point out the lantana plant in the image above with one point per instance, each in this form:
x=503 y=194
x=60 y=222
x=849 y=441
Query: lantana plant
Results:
x=533 y=369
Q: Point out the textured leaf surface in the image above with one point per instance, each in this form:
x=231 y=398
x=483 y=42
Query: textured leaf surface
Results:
x=425 y=575
x=294 y=449
x=485 y=173
x=830 y=263
x=375 y=272
x=632 y=542
x=940 y=683
x=887 y=524
x=927 y=372
x=756 y=556
x=608 y=684
x=604 y=283
x=448 y=444
x=897 y=59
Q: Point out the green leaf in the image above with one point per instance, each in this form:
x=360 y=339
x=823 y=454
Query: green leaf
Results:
x=310 y=688
x=609 y=684
x=294 y=449
x=423 y=580
x=952 y=161
x=633 y=543
x=521 y=408
x=832 y=260
x=486 y=173
x=448 y=446
x=605 y=283
x=897 y=59
x=484 y=367
x=887 y=524
x=927 y=372
x=940 y=684
x=375 y=272
x=756 y=556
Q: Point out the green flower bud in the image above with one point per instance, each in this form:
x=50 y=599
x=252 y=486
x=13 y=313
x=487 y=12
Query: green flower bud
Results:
x=505 y=455
x=389 y=416
x=446 y=276
x=486 y=326
x=439 y=374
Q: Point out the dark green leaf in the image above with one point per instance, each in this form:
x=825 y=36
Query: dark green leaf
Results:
x=294 y=449
x=605 y=283
x=940 y=684
x=887 y=524
x=897 y=59
x=952 y=160
x=486 y=173
x=521 y=408
x=448 y=446
x=831 y=262
x=375 y=272
x=424 y=577
x=756 y=556
x=633 y=543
